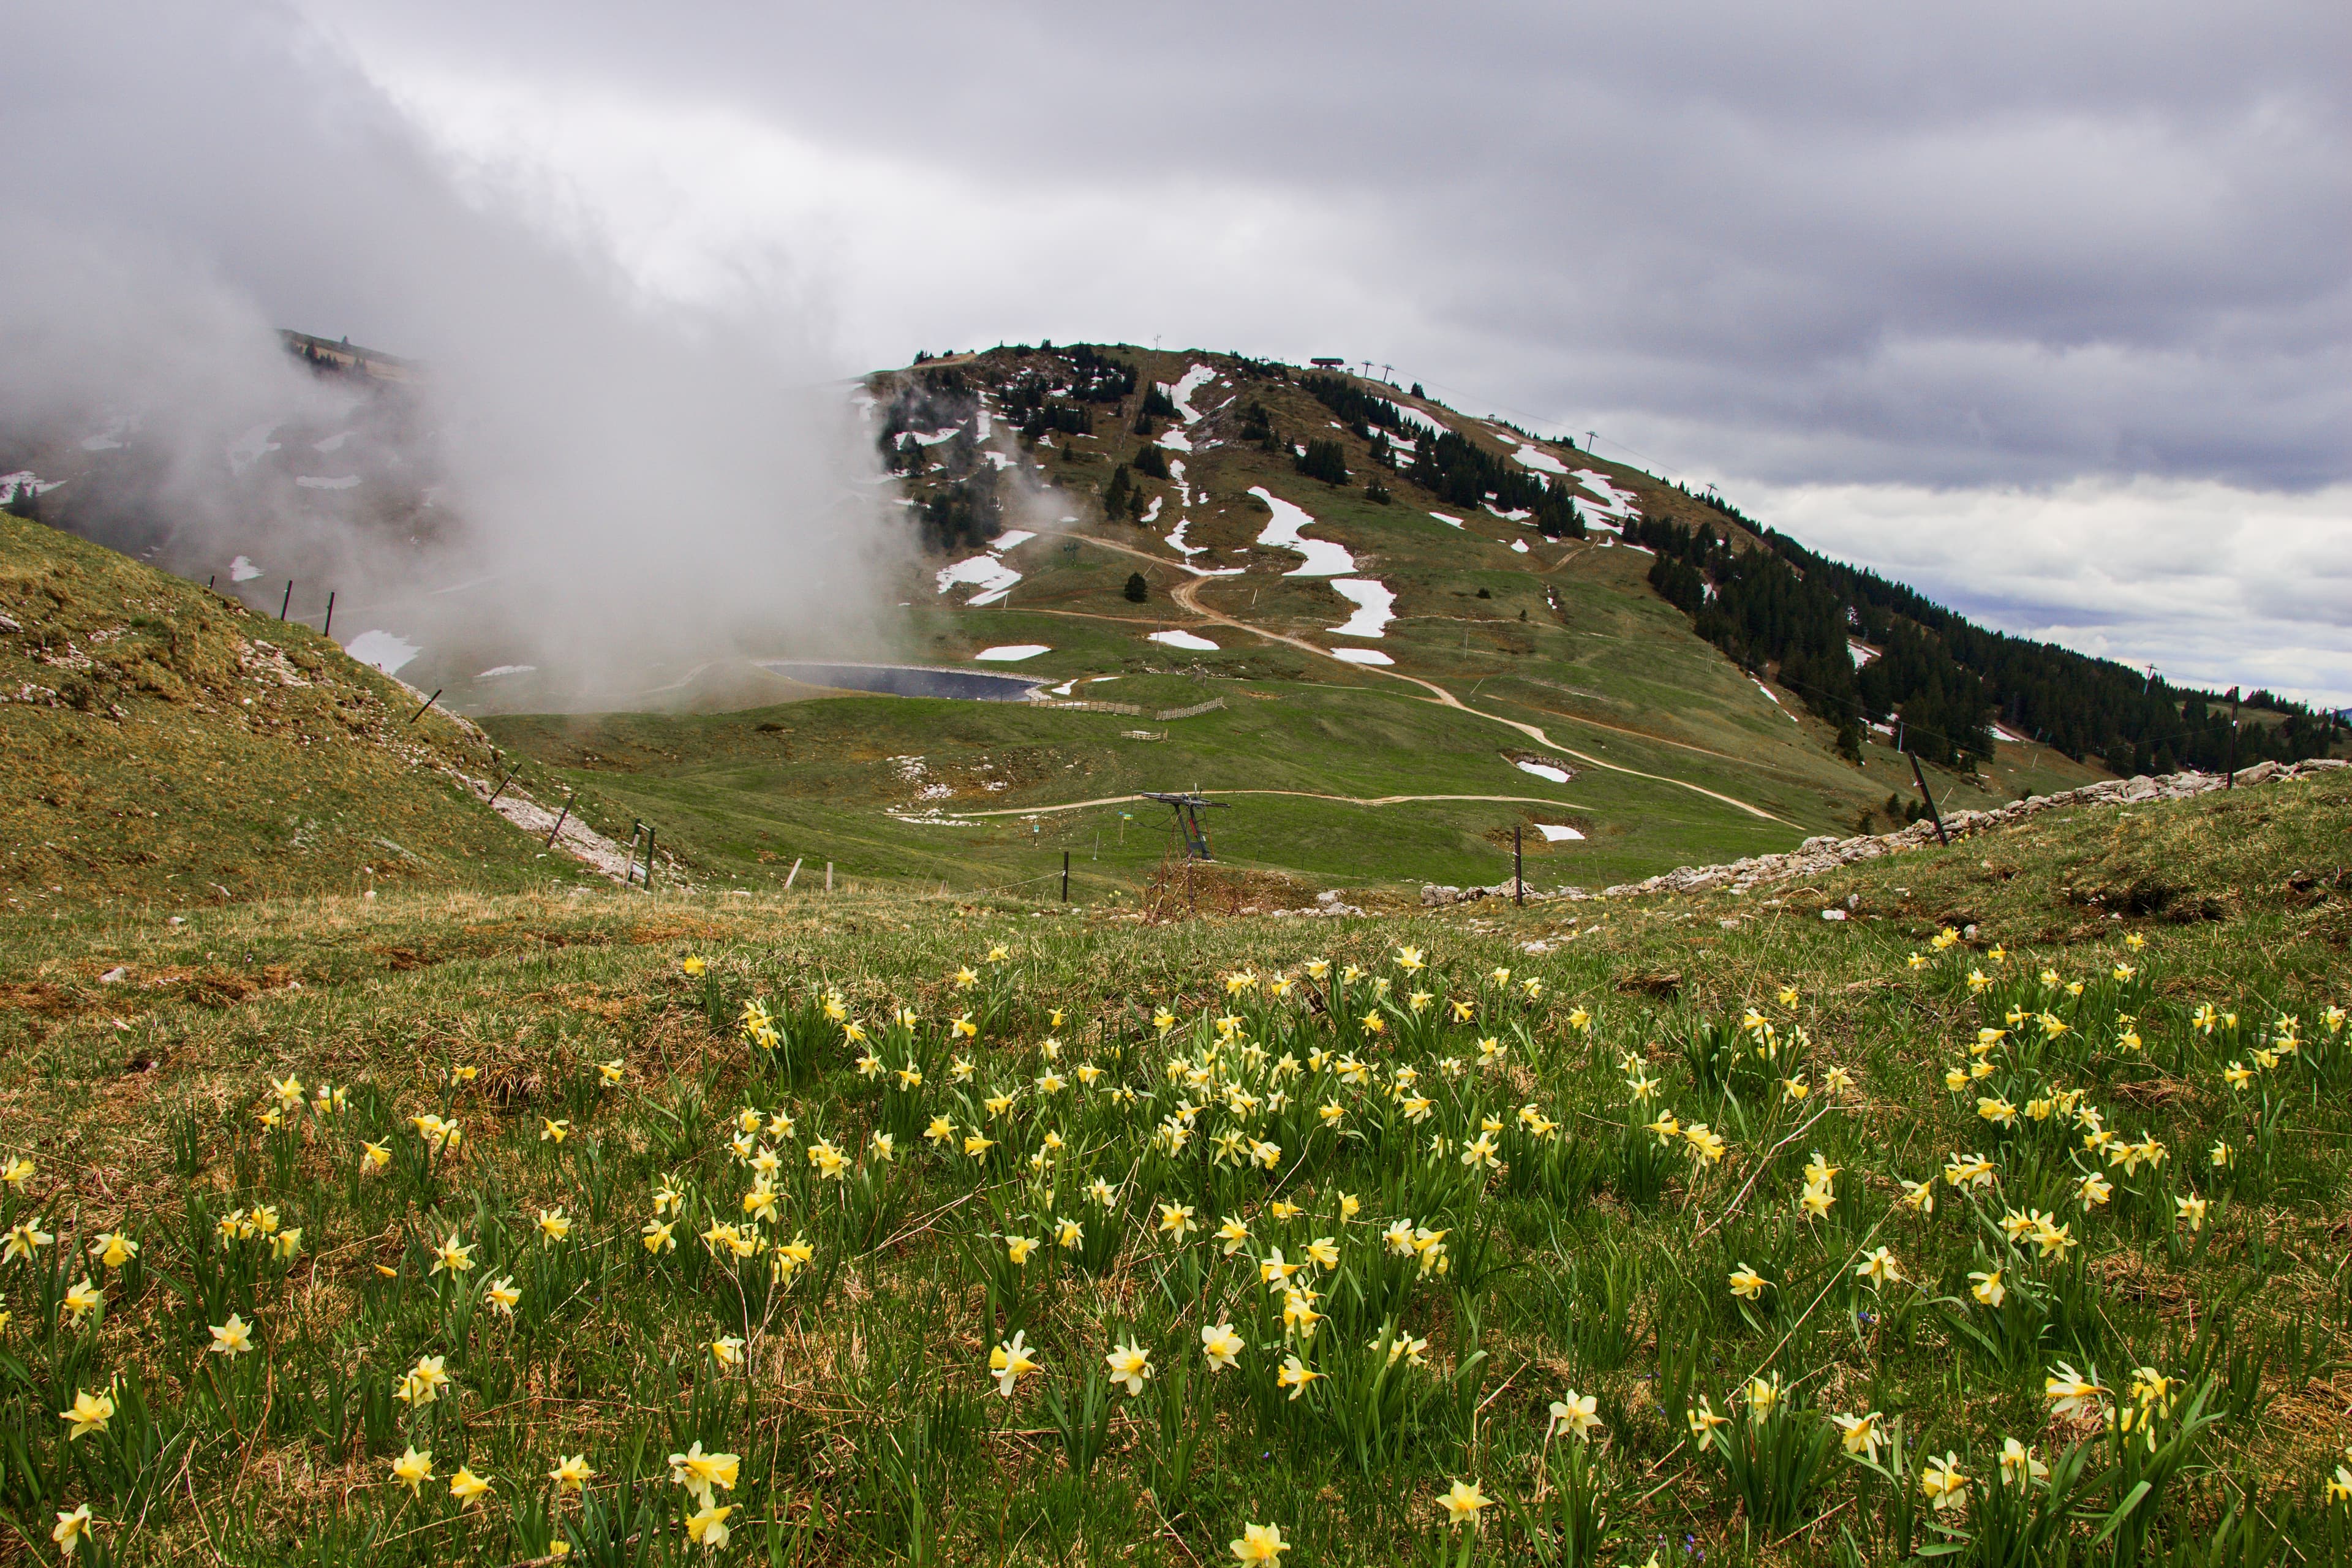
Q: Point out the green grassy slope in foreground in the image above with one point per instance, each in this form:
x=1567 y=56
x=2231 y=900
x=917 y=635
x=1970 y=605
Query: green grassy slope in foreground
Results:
x=1588 y=1259
x=160 y=745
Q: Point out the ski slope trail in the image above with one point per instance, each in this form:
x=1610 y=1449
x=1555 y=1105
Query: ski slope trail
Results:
x=1188 y=595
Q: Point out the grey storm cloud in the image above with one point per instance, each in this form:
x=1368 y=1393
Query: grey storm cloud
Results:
x=1988 y=244
x=1920 y=283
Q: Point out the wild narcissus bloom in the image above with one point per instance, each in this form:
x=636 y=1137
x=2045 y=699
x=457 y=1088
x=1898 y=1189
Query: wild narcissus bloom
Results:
x=1879 y=1268
x=502 y=1294
x=1295 y=1376
x=1942 y=1484
x=1220 y=1345
x=468 y=1487
x=1576 y=1412
x=573 y=1474
x=70 y=1528
x=1462 y=1502
x=698 y=1472
x=1260 y=1543
x=1129 y=1363
x=413 y=1469
x=1748 y=1285
x=707 y=1527
x=89 y=1413
x=232 y=1338
x=1008 y=1363
x=1860 y=1435
x=1987 y=1288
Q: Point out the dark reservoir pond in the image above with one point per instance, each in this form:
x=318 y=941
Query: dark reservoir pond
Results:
x=908 y=680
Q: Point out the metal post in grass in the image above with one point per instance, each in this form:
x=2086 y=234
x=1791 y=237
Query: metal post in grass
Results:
x=1941 y=836
x=286 y=603
x=328 y=629
x=649 y=857
x=1065 y=876
x=1518 y=882
x=559 y=817
x=502 y=784
x=428 y=703
x=2231 y=771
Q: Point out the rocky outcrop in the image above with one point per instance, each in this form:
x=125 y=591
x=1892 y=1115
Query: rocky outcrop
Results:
x=1825 y=853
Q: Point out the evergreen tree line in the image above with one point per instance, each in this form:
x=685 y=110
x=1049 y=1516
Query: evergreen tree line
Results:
x=1943 y=679
x=1097 y=377
x=964 y=515
x=1324 y=459
x=1356 y=407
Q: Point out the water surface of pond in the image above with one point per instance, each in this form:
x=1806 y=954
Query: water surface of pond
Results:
x=908 y=680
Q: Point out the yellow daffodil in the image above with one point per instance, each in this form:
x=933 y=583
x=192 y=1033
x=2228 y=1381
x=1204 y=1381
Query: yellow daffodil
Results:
x=1008 y=1363
x=1294 y=1376
x=1129 y=1363
x=1942 y=1484
x=1260 y=1543
x=1861 y=1436
x=1575 y=1413
x=232 y=1338
x=468 y=1487
x=1748 y=1285
x=706 y=1526
x=413 y=1469
x=1987 y=1289
x=571 y=1475
x=1462 y=1502
x=90 y=1413
x=699 y=1472
x=502 y=1294
x=70 y=1528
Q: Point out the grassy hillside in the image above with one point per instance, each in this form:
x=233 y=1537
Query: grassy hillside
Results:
x=163 y=746
x=1505 y=644
x=852 y=1389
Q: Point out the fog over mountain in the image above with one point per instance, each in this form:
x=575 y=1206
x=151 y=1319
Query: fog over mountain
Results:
x=2047 y=313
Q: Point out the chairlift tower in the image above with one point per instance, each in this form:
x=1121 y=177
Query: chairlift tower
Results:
x=1187 y=808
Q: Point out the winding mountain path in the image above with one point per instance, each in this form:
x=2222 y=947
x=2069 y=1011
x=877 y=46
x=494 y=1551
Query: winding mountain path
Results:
x=1187 y=594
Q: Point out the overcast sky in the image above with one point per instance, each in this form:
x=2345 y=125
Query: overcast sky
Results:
x=2043 y=309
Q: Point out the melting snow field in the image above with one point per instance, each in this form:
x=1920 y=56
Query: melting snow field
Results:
x=1518 y=547
x=243 y=571
x=1011 y=653
x=1613 y=501
x=332 y=443
x=1010 y=537
x=1859 y=655
x=1324 y=557
x=1435 y=426
x=1180 y=394
x=993 y=577
x=1152 y=513
x=344 y=482
x=384 y=650
x=1373 y=604
x=1544 y=771
x=498 y=670
x=248 y=448
x=1536 y=458
x=1185 y=639
x=1361 y=655
x=1449 y=522
x=1554 y=834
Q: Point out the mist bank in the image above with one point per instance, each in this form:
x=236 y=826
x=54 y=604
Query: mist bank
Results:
x=574 y=475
